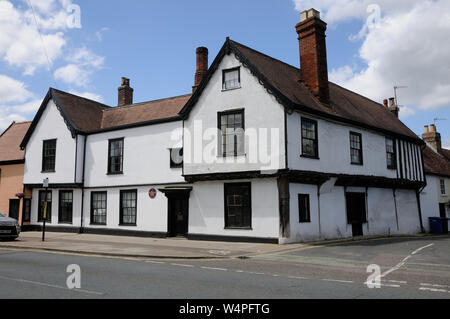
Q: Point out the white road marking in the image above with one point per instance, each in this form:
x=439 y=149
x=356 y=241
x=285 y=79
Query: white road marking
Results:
x=212 y=268
x=155 y=262
x=434 y=290
x=403 y=262
x=341 y=281
x=181 y=265
x=50 y=285
x=397 y=282
x=435 y=285
x=383 y=285
x=296 y=277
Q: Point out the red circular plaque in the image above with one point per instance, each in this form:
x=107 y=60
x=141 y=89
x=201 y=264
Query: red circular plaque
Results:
x=152 y=193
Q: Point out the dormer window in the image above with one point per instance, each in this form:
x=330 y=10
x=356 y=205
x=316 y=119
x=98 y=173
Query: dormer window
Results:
x=231 y=79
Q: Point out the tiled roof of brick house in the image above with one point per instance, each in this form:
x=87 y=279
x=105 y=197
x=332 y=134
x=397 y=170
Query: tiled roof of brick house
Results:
x=10 y=142
x=435 y=163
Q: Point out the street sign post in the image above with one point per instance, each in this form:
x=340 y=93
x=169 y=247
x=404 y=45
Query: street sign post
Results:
x=44 y=213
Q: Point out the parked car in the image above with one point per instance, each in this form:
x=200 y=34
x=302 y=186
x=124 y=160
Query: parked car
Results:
x=9 y=227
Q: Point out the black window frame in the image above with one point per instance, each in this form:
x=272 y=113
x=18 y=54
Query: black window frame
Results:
x=304 y=216
x=442 y=187
x=41 y=206
x=305 y=120
x=110 y=142
x=172 y=163
x=361 y=156
x=222 y=150
x=122 y=192
x=26 y=210
x=225 y=71
x=61 y=207
x=46 y=166
x=227 y=188
x=93 y=215
x=393 y=153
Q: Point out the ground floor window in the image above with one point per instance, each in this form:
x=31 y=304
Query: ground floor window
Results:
x=304 y=208
x=238 y=206
x=128 y=207
x=65 y=212
x=98 y=208
x=26 y=216
x=43 y=196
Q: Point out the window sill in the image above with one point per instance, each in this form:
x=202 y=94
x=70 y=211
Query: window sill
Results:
x=233 y=89
x=97 y=224
x=48 y=172
x=310 y=157
x=238 y=228
x=65 y=223
x=127 y=225
x=358 y=164
x=114 y=174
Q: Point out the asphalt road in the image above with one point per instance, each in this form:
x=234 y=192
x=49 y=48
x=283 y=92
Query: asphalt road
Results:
x=410 y=268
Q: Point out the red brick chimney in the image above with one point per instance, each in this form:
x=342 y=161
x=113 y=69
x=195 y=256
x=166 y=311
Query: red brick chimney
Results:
x=313 y=54
x=432 y=137
x=125 y=93
x=202 y=66
x=393 y=107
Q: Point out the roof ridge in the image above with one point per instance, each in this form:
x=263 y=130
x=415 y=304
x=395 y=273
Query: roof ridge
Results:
x=266 y=55
x=145 y=102
x=80 y=97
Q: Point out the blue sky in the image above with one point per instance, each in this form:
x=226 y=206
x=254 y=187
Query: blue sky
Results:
x=153 y=43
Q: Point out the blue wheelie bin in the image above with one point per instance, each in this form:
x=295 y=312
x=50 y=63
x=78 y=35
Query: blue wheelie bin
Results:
x=436 y=225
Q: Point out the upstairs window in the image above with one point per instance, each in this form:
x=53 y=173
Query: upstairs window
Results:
x=232 y=134
x=310 y=144
x=391 y=153
x=356 y=152
x=231 y=79
x=443 y=190
x=49 y=156
x=115 y=156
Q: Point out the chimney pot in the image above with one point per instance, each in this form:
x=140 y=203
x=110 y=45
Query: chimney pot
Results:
x=313 y=54
x=392 y=101
x=125 y=96
x=427 y=129
x=433 y=128
x=432 y=137
x=386 y=103
x=202 y=66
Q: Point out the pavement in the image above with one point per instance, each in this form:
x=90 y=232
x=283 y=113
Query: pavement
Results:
x=120 y=246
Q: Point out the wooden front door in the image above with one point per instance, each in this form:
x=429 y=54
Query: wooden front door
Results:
x=14 y=206
x=356 y=212
x=178 y=214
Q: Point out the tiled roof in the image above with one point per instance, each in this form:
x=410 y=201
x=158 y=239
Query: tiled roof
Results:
x=344 y=104
x=435 y=163
x=445 y=152
x=10 y=142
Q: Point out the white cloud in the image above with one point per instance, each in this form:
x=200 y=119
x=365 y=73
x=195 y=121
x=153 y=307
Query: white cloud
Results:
x=82 y=64
x=12 y=90
x=407 y=44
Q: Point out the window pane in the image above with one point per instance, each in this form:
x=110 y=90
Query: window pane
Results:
x=128 y=207
x=231 y=79
x=303 y=206
x=309 y=138
x=232 y=134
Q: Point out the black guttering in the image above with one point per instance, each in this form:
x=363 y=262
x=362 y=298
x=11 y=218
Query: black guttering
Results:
x=229 y=48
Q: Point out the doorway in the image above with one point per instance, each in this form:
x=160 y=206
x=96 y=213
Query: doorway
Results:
x=356 y=212
x=14 y=206
x=178 y=212
x=442 y=211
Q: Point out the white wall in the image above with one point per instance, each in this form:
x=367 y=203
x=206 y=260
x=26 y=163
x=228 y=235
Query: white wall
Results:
x=429 y=200
x=76 y=213
x=146 y=157
x=50 y=126
x=151 y=213
x=333 y=213
x=334 y=149
x=261 y=111
x=207 y=216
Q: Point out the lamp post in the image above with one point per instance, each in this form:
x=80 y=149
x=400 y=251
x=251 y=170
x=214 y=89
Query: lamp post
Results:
x=45 y=184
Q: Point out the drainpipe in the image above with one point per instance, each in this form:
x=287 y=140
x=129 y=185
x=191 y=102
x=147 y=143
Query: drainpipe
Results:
x=418 y=192
x=81 y=231
x=396 y=209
